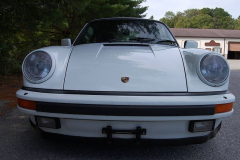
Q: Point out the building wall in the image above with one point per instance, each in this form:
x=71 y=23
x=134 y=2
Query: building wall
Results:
x=201 y=43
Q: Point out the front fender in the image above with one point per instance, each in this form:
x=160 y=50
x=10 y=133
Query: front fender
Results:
x=191 y=58
x=61 y=55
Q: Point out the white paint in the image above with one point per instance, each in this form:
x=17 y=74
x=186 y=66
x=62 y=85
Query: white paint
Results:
x=97 y=68
x=155 y=130
x=191 y=58
x=125 y=100
x=66 y=42
x=61 y=55
x=164 y=127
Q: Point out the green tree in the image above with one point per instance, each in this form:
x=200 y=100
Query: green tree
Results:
x=237 y=23
x=183 y=22
x=207 y=11
x=191 y=13
x=216 y=18
x=30 y=24
x=168 y=19
x=203 y=21
x=222 y=19
x=151 y=17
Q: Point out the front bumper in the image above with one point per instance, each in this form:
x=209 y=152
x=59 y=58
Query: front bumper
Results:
x=165 y=142
x=107 y=99
x=165 y=127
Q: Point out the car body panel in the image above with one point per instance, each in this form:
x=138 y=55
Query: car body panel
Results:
x=124 y=74
x=191 y=59
x=126 y=118
x=156 y=129
x=125 y=100
x=149 y=68
x=56 y=81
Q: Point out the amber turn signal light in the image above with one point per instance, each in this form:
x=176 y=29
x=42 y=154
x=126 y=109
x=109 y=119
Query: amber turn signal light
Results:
x=27 y=104
x=220 y=108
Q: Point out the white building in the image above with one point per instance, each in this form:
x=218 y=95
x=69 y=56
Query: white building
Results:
x=224 y=41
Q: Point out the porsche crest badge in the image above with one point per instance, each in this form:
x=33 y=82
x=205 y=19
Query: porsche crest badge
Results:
x=124 y=79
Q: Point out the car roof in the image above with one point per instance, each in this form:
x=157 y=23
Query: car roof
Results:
x=122 y=18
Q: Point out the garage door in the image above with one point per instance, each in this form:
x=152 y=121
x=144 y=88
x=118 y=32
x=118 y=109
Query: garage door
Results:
x=234 y=46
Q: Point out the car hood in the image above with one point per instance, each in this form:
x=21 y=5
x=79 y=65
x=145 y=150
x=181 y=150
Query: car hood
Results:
x=145 y=68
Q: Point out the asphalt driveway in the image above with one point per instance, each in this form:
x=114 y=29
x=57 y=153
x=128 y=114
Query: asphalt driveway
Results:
x=18 y=140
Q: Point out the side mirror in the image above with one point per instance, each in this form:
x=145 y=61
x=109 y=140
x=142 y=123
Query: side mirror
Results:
x=66 y=42
x=190 y=44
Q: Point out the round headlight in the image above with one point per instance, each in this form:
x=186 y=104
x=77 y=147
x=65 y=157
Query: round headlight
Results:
x=214 y=70
x=37 y=66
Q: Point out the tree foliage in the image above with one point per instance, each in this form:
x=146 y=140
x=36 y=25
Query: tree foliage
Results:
x=30 y=24
x=151 y=17
x=216 y=18
x=237 y=23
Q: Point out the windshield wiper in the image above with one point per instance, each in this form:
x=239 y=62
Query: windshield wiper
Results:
x=167 y=40
x=137 y=39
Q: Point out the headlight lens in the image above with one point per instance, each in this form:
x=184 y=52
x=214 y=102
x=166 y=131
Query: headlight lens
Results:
x=37 y=66
x=214 y=69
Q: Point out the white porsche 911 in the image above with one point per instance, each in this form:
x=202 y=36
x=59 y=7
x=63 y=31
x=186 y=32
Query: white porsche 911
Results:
x=126 y=78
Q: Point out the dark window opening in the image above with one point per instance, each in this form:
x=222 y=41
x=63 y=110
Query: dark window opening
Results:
x=125 y=31
x=233 y=55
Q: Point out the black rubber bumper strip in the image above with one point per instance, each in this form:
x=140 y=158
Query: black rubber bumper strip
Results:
x=122 y=93
x=125 y=110
x=159 y=142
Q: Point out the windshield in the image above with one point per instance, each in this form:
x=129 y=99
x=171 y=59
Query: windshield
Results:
x=143 y=31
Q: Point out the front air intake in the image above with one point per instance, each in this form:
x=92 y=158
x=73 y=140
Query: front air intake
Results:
x=114 y=44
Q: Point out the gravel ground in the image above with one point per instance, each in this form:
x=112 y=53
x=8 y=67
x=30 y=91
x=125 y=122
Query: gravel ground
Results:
x=3 y=105
x=19 y=141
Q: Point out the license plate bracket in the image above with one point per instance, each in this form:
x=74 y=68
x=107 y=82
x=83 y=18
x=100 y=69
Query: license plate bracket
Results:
x=138 y=132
